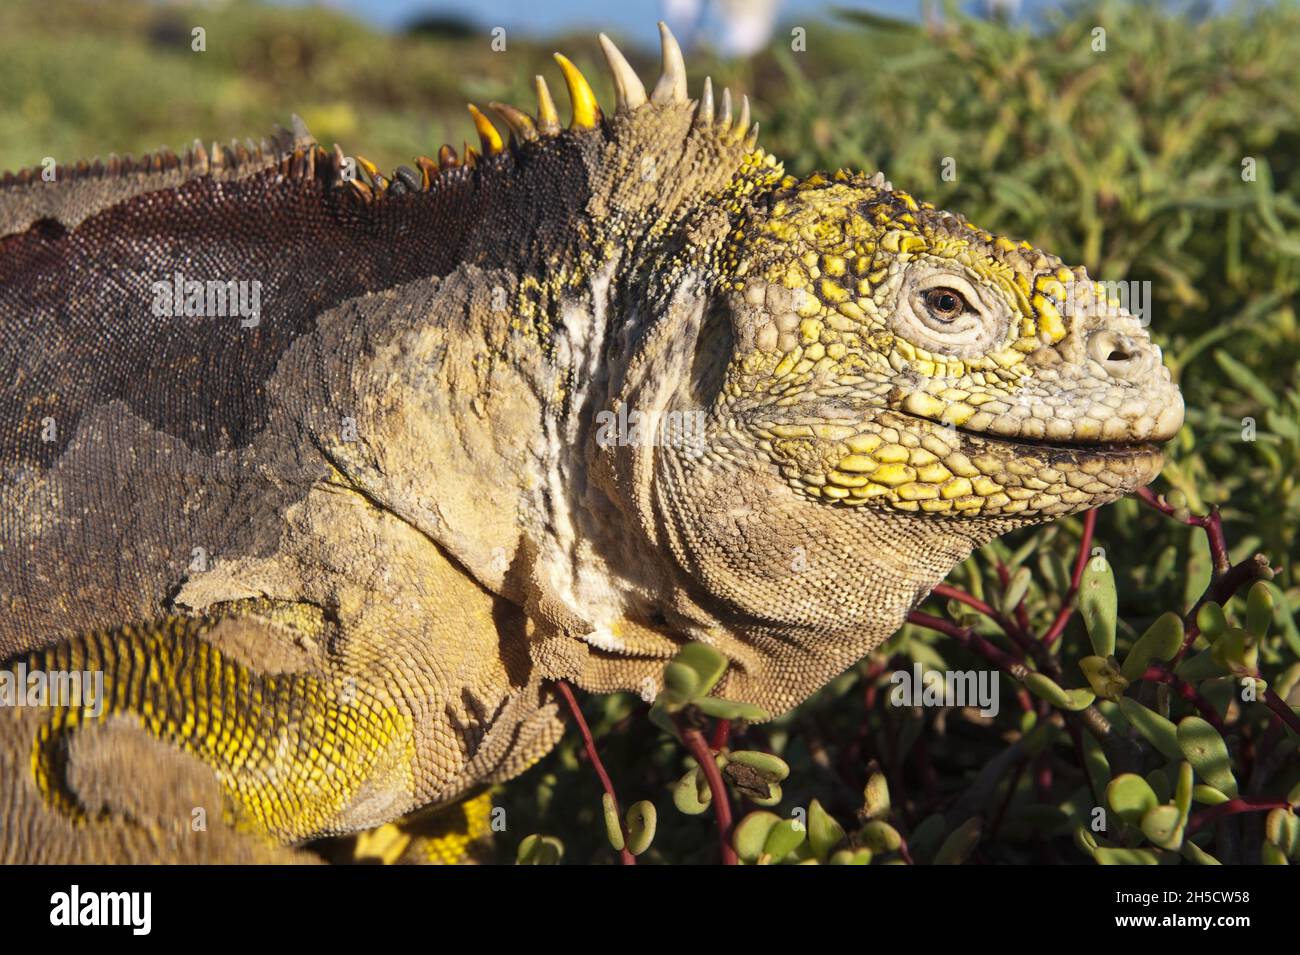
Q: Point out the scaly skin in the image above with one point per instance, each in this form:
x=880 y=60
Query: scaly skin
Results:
x=328 y=562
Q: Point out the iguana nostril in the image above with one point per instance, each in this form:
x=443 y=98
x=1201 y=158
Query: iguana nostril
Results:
x=1116 y=353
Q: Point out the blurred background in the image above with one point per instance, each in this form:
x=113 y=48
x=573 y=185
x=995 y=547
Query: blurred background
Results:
x=1150 y=142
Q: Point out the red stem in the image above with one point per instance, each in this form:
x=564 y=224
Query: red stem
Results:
x=1080 y=562
x=590 y=743
x=1231 y=808
x=1227 y=578
x=1284 y=712
x=699 y=748
x=1159 y=674
x=721 y=735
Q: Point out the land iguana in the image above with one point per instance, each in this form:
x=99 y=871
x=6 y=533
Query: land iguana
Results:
x=330 y=474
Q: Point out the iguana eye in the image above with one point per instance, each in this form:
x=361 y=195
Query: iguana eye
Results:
x=943 y=311
x=945 y=304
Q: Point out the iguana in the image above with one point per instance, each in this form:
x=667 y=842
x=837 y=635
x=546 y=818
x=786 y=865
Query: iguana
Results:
x=329 y=474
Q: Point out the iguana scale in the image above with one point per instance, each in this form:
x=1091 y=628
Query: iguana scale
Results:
x=330 y=475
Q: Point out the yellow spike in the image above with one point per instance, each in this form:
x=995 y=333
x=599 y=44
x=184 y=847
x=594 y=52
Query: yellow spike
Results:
x=548 y=119
x=586 y=111
x=369 y=168
x=487 y=133
x=520 y=123
x=428 y=168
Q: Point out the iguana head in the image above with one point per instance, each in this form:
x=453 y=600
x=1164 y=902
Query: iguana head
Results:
x=881 y=386
x=888 y=354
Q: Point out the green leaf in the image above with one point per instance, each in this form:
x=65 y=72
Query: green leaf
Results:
x=961 y=842
x=824 y=833
x=642 y=820
x=1237 y=652
x=1270 y=854
x=1104 y=676
x=1159 y=781
x=770 y=766
x=1211 y=621
x=612 y=828
x=539 y=850
x=1183 y=791
x=1246 y=380
x=1259 y=609
x=1205 y=749
x=694 y=671
x=880 y=836
x=1160 y=642
x=1200 y=667
x=1130 y=797
x=851 y=857
x=1086 y=841
x=731 y=710
x=1194 y=853
x=875 y=796
x=783 y=838
x=1097 y=602
x=1157 y=730
x=691 y=793
x=1047 y=689
x=1282 y=828
x=1163 y=825
x=1017 y=587
x=1106 y=856
x=1207 y=795
x=750 y=834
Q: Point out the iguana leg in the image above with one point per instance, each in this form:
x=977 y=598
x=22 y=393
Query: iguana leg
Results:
x=458 y=834
x=272 y=725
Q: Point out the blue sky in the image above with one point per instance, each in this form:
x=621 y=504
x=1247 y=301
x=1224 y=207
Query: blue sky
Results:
x=634 y=19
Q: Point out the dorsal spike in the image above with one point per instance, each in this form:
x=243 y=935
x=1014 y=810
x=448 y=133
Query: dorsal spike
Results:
x=199 y=158
x=370 y=169
x=671 y=87
x=519 y=122
x=586 y=111
x=724 y=120
x=742 y=124
x=548 y=119
x=487 y=133
x=752 y=141
x=627 y=85
x=301 y=135
x=704 y=112
x=428 y=170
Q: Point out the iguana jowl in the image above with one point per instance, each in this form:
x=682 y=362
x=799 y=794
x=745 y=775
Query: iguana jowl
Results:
x=328 y=552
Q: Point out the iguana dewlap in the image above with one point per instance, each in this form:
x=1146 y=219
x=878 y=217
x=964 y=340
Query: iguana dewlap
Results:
x=329 y=474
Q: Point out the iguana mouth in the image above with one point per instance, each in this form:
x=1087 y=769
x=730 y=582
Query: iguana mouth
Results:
x=1099 y=448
